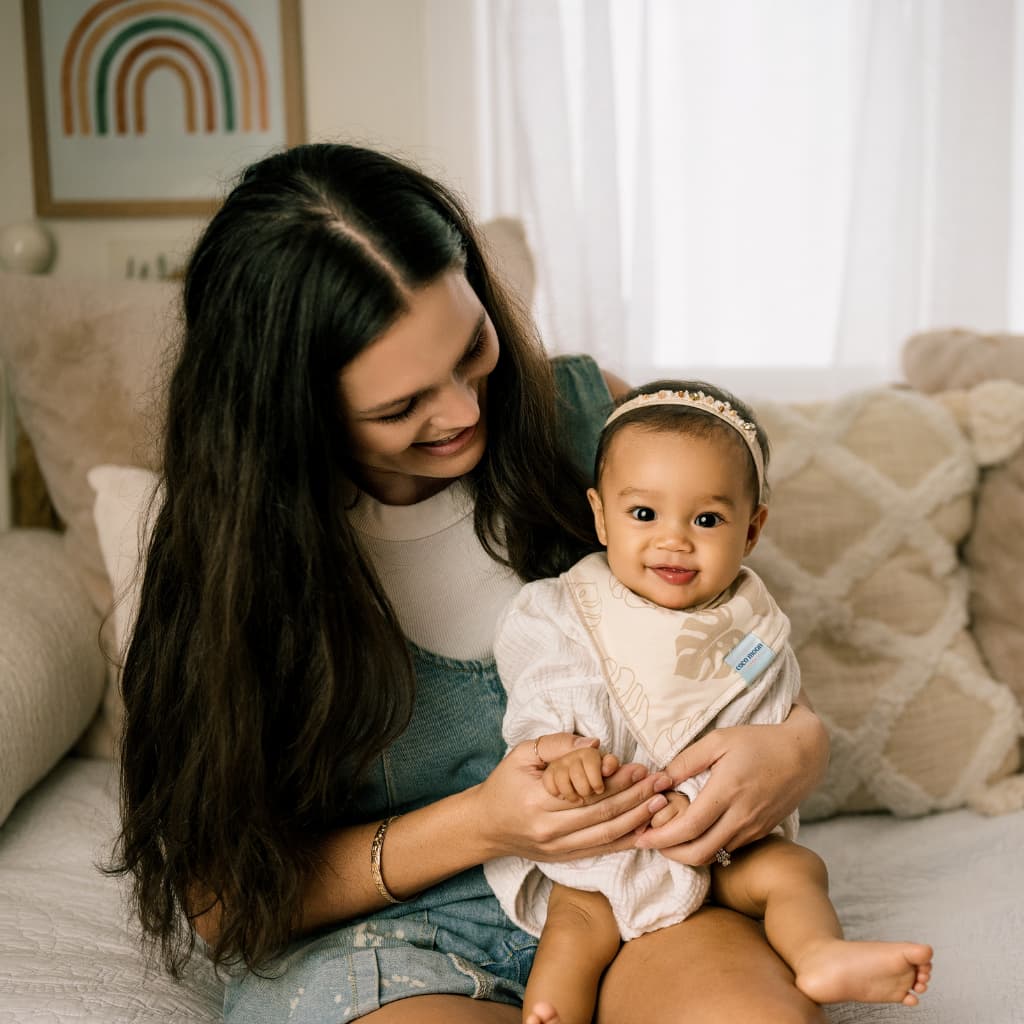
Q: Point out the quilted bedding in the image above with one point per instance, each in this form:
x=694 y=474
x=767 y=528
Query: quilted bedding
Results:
x=66 y=951
x=955 y=880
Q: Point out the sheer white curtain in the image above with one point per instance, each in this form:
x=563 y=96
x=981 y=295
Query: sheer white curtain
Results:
x=774 y=193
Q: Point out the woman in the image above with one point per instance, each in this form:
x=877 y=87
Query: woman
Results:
x=367 y=452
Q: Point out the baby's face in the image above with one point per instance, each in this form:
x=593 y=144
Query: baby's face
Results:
x=676 y=514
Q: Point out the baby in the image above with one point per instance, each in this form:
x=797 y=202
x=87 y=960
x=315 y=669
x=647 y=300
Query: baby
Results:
x=644 y=648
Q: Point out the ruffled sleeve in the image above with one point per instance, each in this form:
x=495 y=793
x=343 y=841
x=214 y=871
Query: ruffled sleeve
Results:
x=549 y=670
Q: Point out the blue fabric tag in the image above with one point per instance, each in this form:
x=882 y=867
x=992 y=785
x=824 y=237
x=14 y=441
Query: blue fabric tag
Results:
x=750 y=657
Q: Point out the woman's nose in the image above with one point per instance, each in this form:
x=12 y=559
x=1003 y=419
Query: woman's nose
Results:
x=458 y=405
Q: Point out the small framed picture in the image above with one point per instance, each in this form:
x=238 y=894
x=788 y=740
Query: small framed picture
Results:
x=146 y=108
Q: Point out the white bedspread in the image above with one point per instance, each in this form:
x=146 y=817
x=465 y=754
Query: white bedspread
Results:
x=954 y=880
x=67 y=953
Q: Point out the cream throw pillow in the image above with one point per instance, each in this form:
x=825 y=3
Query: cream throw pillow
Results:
x=126 y=503
x=870 y=497
x=52 y=673
x=84 y=358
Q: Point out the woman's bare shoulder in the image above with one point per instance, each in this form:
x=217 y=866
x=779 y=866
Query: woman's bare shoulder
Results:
x=616 y=385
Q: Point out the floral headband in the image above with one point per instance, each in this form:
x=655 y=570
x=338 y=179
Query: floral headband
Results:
x=705 y=403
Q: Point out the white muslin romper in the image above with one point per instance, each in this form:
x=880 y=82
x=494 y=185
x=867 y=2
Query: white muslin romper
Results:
x=582 y=653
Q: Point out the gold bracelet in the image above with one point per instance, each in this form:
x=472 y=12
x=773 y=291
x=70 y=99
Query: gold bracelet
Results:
x=376 y=849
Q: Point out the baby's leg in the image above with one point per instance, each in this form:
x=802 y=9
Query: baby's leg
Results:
x=787 y=886
x=580 y=939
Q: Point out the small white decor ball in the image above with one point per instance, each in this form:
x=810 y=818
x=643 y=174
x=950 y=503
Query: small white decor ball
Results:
x=26 y=248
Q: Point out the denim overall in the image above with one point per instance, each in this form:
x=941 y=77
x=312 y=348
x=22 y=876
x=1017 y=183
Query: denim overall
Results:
x=453 y=938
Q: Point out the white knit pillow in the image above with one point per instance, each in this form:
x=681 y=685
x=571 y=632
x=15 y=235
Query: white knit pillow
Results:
x=123 y=513
x=871 y=496
x=52 y=672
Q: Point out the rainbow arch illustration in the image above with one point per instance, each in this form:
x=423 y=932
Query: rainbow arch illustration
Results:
x=208 y=47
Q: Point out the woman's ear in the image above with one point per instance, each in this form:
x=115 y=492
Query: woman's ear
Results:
x=598 y=509
x=755 y=527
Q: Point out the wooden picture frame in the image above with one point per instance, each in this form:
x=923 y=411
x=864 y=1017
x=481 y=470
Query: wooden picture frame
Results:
x=149 y=108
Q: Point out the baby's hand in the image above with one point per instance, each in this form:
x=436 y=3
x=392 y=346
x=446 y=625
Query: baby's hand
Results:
x=677 y=804
x=580 y=773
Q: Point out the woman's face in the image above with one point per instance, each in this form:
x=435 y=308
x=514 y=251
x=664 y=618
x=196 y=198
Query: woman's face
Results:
x=414 y=399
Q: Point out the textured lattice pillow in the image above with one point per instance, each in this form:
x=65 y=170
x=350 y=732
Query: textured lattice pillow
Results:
x=941 y=361
x=871 y=496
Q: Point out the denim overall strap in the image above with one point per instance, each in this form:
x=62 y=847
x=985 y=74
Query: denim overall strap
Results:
x=584 y=406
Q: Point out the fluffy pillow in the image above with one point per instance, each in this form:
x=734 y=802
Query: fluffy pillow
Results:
x=943 y=360
x=871 y=496
x=83 y=358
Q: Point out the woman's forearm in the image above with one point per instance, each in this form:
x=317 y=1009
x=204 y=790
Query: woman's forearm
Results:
x=418 y=852
x=421 y=849
x=509 y=813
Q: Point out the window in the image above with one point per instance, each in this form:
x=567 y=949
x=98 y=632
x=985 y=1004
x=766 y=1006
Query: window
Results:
x=786 y=188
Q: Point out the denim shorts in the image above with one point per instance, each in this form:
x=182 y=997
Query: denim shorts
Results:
x=467 y=948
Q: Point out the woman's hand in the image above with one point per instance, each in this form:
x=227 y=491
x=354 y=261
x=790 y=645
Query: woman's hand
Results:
x=759 y=775
x=517 y=816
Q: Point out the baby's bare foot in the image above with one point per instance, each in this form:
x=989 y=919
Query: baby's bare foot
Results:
x=865 y=972
x=542 y=1013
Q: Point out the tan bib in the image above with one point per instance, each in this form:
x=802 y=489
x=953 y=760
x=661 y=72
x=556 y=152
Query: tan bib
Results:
x=671 y=672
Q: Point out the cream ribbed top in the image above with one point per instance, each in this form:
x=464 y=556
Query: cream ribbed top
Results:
x=446 y=590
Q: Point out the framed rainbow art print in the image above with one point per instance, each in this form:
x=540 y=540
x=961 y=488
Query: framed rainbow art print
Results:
x=148 y=108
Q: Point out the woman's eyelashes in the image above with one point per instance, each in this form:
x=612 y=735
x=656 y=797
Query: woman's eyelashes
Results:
x=402 y=414
x=475 y=350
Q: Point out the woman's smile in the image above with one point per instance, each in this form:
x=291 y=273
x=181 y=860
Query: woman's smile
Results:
x=450 y=445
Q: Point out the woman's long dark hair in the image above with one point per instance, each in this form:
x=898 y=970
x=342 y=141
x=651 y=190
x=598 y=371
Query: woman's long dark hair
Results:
x=267 y=668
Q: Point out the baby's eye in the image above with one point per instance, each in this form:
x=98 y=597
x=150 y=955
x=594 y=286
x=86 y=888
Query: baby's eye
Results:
x=643 y=514
x=708 y=520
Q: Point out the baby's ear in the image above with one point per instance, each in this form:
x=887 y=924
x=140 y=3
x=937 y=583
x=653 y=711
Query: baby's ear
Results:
x=754 y=528
x=597 y=508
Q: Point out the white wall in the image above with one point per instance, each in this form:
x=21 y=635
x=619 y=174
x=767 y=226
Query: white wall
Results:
x=397 y=74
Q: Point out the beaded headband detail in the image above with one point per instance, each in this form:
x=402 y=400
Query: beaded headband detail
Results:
x=703 y=402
